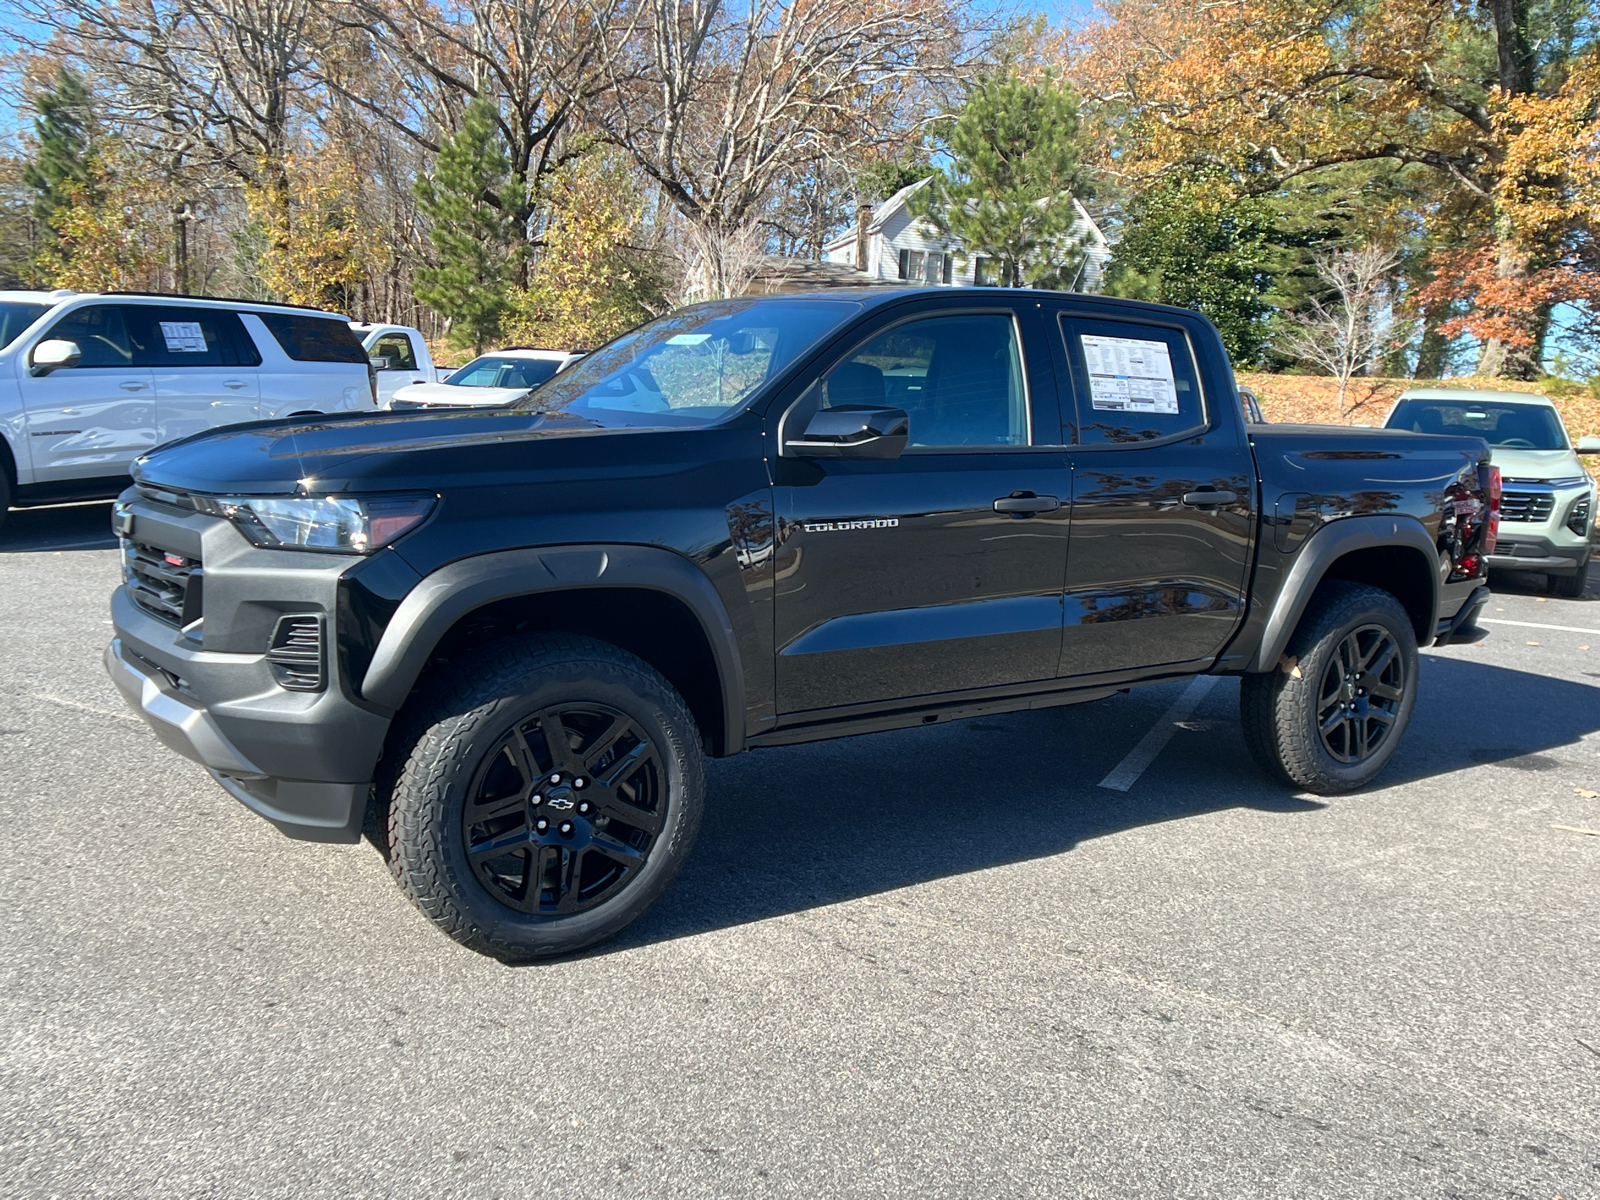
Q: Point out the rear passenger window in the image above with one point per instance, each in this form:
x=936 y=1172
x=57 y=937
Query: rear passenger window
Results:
x=1132 y=383
x=959 y=378
x=100 y=333
x=314 y=339
x=181 y=336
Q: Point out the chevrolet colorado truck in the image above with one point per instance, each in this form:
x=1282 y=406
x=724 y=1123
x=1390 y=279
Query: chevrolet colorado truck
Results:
x=511 y=636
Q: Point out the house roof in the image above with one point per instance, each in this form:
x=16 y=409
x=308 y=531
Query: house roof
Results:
x=902 y=199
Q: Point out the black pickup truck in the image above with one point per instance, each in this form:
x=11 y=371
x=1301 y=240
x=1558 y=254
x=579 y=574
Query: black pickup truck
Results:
x=511 y=635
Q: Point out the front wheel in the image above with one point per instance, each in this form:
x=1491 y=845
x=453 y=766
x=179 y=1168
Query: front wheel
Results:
x=1332 y=713
x=549 y=801
x=1570 y=586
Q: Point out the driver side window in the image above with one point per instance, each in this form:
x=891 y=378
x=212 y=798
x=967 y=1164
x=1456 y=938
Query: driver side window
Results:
x=959 y=378
x=100 y=333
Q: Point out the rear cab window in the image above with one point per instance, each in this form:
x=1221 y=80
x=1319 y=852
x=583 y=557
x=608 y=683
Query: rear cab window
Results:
x=1132 y=383
x=314 y=339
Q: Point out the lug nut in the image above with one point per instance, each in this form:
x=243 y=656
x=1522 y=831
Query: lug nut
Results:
x=537 y=800
x=556 y=778
x=584 y=807
x=579 y=782
x=566 y=829
x=541 y=825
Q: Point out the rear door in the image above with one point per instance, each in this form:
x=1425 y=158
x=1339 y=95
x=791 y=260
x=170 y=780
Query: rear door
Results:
x=899 y=578
x=1163 y=498
x=93 y=418
x=204 y=366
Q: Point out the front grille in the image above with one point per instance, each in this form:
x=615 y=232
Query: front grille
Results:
x=1526 y=506
x=164 y=584
x=295 y=653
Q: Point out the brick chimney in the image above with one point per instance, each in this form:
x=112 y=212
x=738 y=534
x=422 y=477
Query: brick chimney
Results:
x=863 y=219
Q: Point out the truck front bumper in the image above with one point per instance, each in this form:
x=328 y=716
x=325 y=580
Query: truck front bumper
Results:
x=313 y=810
x=303 y=759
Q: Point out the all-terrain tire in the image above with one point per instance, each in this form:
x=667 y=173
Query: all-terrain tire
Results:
x=1279 y=709
x=456 y=736
x=1570 y=586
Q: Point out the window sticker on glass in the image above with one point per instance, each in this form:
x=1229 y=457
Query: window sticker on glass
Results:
x=1130 y=375
x=184 y=337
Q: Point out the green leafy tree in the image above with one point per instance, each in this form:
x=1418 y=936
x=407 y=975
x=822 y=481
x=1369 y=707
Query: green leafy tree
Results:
x=467 y=200
x=66 y=144
x=1014 y=172
x=1196 y=245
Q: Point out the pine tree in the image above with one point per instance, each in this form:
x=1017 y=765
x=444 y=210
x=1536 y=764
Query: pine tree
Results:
x=467 y=199
x=1195 y=244
x=1013 y=175
x=62 y=166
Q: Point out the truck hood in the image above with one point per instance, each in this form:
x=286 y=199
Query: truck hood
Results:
x=455 y=394
x=370 y=451
x=1535 y=464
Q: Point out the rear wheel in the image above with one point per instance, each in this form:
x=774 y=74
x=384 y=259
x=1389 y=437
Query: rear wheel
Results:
x=1331 y=716
x=550 y=801
x=1570 y=586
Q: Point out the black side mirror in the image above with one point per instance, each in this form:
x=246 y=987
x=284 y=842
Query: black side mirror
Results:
x=854 y=431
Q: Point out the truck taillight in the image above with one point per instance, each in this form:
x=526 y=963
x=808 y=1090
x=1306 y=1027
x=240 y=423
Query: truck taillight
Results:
x=1492 y=486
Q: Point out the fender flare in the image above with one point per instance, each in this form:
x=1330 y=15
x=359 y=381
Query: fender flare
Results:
x=450 y=593
x=1324 y=547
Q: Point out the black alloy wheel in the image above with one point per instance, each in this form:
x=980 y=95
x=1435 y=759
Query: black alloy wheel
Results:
x=541 y=794
x=565 y=810
x=1362 y=687
x=1331 y=713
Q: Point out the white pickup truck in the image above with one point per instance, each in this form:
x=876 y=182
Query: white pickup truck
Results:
x=399 y=355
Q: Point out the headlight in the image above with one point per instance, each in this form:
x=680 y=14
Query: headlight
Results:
x=339 y=524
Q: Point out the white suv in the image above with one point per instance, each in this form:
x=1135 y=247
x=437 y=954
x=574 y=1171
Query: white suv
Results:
x=1547 y=502
x=90 y=382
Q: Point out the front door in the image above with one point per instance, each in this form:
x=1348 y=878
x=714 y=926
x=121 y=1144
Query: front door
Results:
x=394 y=358
x=94 y=418
x=1163 y=503
x=899 y=578
x=204 y=367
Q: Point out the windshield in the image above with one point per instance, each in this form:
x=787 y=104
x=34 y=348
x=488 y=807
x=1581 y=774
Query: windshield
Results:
x=1514 y=426
x=494 y=371
x=16 y=316
x=692 y=367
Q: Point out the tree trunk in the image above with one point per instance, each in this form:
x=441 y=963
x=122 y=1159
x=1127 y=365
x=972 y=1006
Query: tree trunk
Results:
x=1515 y=48
x=1499 y=359
x=1433 y=348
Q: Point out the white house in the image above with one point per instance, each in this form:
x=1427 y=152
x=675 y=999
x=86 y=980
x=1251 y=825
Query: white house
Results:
x=891 y=244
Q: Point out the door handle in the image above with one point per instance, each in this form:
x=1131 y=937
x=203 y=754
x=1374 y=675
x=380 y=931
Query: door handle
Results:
x=235 y=384
x=134 y=387
x=1025 y=504
x=1209 y=499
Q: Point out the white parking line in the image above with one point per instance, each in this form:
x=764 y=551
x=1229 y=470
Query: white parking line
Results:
x=1536 y=625
x=1127 y=772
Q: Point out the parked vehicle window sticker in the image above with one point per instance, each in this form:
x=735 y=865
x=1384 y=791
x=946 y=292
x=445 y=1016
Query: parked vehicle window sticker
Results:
x=1130 y=375
x=184 y=337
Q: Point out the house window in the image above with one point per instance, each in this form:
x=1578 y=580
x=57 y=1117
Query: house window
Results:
x=983 y=272
x=935 y=271
x=915 y=263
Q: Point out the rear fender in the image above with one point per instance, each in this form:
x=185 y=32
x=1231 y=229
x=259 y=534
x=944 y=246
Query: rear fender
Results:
x=1326 y=547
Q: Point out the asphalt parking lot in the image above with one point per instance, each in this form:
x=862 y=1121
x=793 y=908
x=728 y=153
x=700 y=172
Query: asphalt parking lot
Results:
x=939 y=962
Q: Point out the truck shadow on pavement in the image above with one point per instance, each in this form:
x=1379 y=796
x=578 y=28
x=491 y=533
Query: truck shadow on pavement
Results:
x=806 y=826
x=60 y=527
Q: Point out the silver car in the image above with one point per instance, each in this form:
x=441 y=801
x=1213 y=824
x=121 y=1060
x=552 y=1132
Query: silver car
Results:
x=1548 y=503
